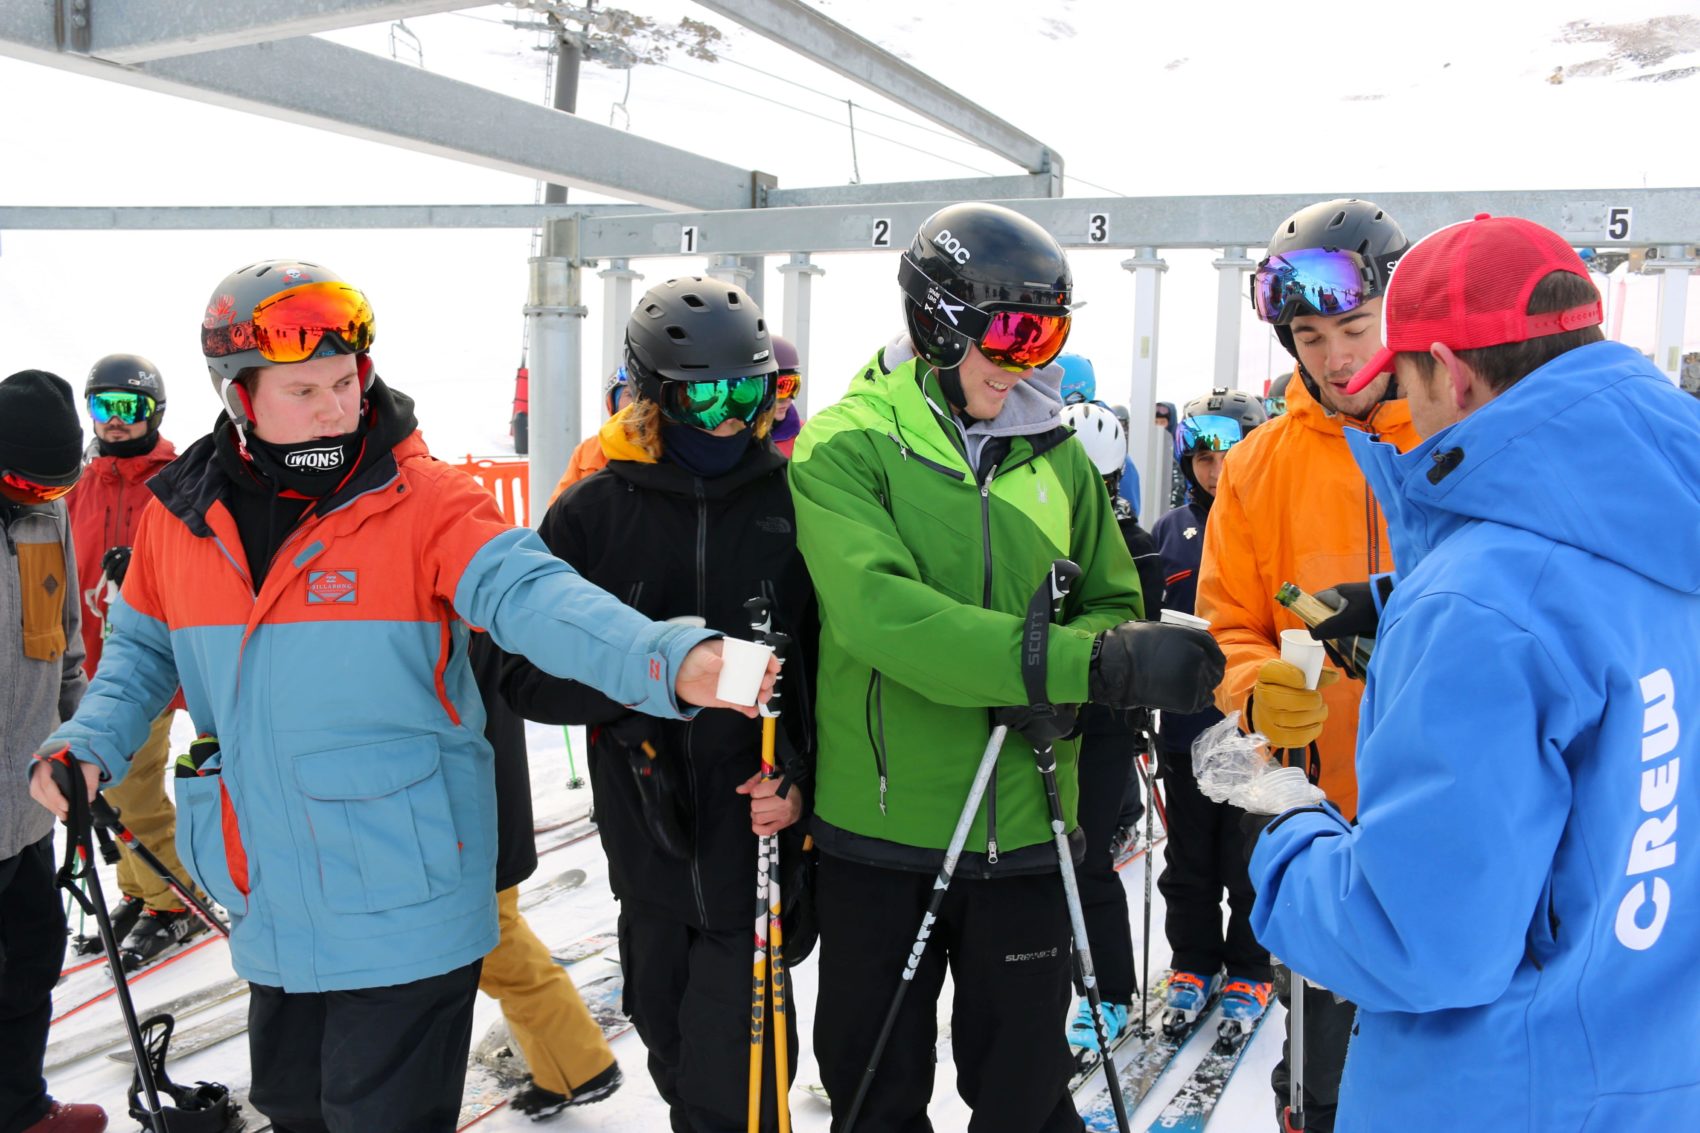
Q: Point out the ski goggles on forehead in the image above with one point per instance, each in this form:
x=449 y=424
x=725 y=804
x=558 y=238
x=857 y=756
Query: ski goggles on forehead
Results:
x=786 y=384
x=21 y=489
x=1210 y=433
x=117 y=405
x=1320 y=281
x=303 y=322
x=707 y=404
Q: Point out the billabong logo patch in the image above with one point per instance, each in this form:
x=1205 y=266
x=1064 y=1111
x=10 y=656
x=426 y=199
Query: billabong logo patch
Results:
x=315 y=459
x=337 y=587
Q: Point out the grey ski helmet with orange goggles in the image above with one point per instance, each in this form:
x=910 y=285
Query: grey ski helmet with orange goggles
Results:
x=1326 y=259
x=277 y=313
x=981 y=275
x=700 y=349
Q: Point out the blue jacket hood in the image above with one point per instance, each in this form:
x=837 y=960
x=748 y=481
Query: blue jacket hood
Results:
x=1547 y=456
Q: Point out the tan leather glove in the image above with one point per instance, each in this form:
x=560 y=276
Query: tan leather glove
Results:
x=1283 y=709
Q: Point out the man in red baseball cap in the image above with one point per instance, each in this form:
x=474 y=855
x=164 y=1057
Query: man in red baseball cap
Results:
x=1512 y=904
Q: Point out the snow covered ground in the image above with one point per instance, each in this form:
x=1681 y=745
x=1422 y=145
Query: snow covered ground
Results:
x=636 y=1108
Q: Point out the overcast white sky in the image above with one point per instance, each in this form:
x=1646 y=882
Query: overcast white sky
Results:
x=1141 y=100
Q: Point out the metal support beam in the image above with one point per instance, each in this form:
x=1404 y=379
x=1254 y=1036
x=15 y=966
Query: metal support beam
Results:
x=138 y=31
x=799 y=276
x=617 y=279
x=803 y=29
x=313 y=82
x=1230 y=301
x=555 y=314
x=1660 y=216
x=1674 y=266
x=730 y=269
x=1147 y=268
x=256 y=217
x=944 y=191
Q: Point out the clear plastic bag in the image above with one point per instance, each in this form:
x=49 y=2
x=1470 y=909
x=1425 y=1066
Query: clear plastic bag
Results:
x=1236 y=769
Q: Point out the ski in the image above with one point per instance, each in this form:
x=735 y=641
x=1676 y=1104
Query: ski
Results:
x=941 y=1052
x=195 y=1039
x=572 y=833
x=66 y=1051
x=1190 y=1109
x=571 y=879
x=592 y=945
x=497 y=1068
x=108 y=988
x=1089 y=1063
x=1140 y=1061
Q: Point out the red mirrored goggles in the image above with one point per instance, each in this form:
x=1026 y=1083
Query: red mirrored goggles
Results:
x=21 y=489
x=1019 y=341
x=303 y=322
x=786 y=384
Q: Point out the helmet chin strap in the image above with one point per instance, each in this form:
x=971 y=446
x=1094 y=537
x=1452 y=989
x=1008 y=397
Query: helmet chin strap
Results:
x=247 y=415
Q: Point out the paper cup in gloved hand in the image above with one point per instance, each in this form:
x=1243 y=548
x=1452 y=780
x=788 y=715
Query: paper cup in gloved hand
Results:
x=744 y=663
x=1299 y=648
x=1176 y=618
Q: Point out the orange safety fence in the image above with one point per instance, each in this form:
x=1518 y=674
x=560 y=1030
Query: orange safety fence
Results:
x=509 y=481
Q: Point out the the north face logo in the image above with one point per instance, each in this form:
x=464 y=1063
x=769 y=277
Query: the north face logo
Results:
x=774 y=524
x=315 y=459
x=332 y=586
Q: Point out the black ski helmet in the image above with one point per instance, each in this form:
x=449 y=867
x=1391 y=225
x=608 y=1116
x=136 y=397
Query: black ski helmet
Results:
x=129 y=373
x=232 y=307
x=969 y=260
x=696 y=329
x=1233 y=404
x=1344 y=224
x=1275 y=401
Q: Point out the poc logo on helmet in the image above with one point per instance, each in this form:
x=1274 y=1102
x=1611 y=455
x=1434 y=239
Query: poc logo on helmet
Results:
x=952 y=246
x=314 y=460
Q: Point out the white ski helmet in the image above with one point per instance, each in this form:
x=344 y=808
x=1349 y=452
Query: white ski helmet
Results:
x=1101 y=433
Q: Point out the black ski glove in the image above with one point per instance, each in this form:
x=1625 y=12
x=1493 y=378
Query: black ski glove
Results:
x=115 y=564
x=1155 y=665
x=1359 y=616
x=1041 y=726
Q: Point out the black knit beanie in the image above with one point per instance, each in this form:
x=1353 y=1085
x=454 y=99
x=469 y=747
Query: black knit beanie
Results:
x=40 y=436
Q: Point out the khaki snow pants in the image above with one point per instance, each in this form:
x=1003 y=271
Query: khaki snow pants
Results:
x=149 y=815
x=560 y=1041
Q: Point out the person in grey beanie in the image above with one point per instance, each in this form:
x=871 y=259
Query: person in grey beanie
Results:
x=41 y=681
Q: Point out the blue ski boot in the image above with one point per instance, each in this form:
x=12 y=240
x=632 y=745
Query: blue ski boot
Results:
x=1190 y=995
x=1243 y=1004
x=1083 y=1033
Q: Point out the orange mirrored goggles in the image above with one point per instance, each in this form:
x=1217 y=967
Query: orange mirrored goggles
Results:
x=303 y=322
x=786 y=384
x=22 y=490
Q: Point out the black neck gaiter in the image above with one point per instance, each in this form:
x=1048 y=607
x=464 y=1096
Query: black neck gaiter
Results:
x=135 y=446
x=312 y=468
x=703 y=454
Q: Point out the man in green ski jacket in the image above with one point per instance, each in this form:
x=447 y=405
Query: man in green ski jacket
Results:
x=930 y=503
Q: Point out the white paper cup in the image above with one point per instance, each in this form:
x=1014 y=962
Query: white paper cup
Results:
x=745 y=665
x=1298 y=647
x=1176 y=618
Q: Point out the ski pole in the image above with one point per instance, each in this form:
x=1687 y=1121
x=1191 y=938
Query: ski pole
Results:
x=1035 y=648
x=79 y=851
x=1293 y=1117
x=573 y=780
x=1150 y=813
x=107 y=822
x=769 y=935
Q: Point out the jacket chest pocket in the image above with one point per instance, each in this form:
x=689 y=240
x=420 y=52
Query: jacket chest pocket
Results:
x=382 y=827
x=42 y=586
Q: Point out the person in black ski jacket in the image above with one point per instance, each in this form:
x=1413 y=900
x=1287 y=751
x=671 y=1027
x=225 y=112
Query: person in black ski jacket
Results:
x=691 y=518
x=1204 y=854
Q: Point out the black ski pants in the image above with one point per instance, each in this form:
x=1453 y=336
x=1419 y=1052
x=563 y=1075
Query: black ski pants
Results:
x=32 y=952
x=1006 y=945
x=1205 y=855
x=1106 y=761
x=688 y=995
x=1328 y=1030
x=389 y=1058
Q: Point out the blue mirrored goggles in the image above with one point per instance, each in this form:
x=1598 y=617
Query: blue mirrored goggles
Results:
x=1209 y=434
x=707 y=404
x=1311 y=281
